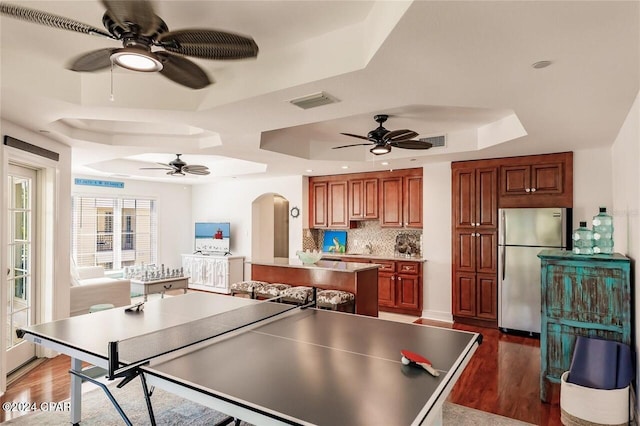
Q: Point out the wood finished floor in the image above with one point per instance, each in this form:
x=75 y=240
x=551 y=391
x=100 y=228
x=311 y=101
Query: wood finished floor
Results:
x=502 y=378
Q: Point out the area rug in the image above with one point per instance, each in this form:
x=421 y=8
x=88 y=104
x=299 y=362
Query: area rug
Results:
x=172 y=410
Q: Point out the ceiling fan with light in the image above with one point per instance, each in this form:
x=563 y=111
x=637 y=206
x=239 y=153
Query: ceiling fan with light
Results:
x=383 y=140
x=136 y=25
x=179 y=167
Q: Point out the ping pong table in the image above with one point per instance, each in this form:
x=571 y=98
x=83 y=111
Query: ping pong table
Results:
x=264 y=362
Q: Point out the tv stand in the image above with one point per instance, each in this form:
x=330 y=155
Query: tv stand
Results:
x=213 y=271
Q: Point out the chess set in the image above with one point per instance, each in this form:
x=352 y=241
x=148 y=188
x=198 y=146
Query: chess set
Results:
x=152 y=272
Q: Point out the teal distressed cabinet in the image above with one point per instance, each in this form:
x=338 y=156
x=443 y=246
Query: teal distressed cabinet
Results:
x=581 y=296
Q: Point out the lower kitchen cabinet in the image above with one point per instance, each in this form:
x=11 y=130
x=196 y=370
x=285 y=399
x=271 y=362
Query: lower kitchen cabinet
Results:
x=399 y=284
x=475 y=297
x=213 y=273
x=582 y=295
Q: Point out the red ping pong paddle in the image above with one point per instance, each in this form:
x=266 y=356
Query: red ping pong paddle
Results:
x=412 y=357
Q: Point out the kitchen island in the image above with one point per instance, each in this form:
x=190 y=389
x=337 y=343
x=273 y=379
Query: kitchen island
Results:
x=361 y=279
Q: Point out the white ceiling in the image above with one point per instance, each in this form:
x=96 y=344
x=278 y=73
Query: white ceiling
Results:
x=460 y=69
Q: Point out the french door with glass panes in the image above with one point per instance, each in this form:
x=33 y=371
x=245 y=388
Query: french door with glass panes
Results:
x=20 y=282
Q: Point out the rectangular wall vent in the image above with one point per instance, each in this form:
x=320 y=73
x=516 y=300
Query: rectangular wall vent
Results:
x=315 y=100
x=435 y=141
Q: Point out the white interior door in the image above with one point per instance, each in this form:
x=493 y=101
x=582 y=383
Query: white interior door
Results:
x=21 y=252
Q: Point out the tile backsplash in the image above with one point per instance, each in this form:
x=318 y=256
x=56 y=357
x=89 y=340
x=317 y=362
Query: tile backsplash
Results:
x=383 y=240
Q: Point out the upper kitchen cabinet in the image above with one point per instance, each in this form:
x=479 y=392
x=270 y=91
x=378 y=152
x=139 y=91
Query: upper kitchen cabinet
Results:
x=363 y=199
x=401 y=199
x=394 y=198
x=318 y=205
x=537 y=181
x=475 y=195
x=329 y=204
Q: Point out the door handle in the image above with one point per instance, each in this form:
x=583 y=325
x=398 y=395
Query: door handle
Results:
x=503 y=254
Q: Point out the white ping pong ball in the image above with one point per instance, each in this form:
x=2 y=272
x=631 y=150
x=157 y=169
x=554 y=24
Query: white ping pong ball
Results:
x=405 y=361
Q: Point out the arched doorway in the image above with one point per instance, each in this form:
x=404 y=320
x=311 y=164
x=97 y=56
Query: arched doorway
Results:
x=270 y=227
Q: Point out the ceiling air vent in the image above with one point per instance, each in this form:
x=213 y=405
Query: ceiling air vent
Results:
x=435 y=141
x=315 y=100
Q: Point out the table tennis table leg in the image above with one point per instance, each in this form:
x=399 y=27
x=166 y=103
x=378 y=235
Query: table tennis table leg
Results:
x=76 y=392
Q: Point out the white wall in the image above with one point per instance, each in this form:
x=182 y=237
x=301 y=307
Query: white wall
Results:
x=436 y=241
x=53 y=236
x=625 y=155
x=591 y=184
x=175 y=227
x=231 y=201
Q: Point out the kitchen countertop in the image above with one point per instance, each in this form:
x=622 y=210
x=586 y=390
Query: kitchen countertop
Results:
x=372 y=256
x=333 y=265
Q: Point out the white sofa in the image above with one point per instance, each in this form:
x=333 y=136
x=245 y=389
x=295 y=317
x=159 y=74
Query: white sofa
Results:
x=90 y=286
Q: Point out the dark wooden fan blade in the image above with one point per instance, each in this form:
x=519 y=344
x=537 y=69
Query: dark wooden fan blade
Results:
x=50 y=20
x=183 y=71
x=199 y=172
x=398 y=135
x=355 y=144
x=93 y=61
x=130 y=14
x=411 y=144
x=356 y=136
x=209 y=44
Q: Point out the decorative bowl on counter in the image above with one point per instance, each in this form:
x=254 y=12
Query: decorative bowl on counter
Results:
x=309 y=257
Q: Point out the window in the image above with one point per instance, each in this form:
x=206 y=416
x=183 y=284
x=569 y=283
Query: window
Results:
x=114 y=232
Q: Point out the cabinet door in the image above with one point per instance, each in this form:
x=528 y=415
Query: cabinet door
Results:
x=464 y=255
x=486 y=243
x=547 y=179
x=486 y=199
x=337 y=203
x=463 y=197
x=408 y=291
x=386 y=289
x=412 y=203
x=356 y=199
x=370 y=206
x=391 y=202
x=464 y=294
x=515 y=180
x=363 y=199
x=487 y=297
x=318 y=199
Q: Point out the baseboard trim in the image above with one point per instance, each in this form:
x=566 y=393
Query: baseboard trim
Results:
x=437 y=316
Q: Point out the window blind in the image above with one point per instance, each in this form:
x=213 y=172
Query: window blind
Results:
x=114 y=232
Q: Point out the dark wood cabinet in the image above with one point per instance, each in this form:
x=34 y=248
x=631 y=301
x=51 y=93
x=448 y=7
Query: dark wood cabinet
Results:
x=475 y=242
x=399 y=284
x=338 y=216
x=394 y=198
x=475 y=198
x=328 y=204
x=363 y=199
x=318 y=205
x=537 y=181
x=401 y=200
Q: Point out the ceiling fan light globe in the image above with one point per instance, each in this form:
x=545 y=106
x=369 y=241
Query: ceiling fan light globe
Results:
x=380 y=149
x=136 y=60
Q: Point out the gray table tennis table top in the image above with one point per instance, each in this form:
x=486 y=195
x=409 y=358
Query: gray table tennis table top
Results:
x=306 y=366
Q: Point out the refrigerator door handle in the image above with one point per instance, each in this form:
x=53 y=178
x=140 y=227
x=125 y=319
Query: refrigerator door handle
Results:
x=503 y=256
x=502 y=228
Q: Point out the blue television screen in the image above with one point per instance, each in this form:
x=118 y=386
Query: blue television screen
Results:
x=213 y=236
x=334 y=242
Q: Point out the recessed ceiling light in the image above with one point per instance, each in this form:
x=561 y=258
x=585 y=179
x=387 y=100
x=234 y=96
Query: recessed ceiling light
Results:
x=541 y=64
x=309 y=170
x=44 y=131
x=345 y=167
x=385 y=163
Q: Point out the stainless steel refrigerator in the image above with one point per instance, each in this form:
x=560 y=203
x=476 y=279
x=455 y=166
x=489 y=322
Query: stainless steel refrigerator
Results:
x=522 y=234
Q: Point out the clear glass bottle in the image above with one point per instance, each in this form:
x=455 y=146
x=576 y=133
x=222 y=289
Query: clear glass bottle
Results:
x=583 y=240
x=602 y=232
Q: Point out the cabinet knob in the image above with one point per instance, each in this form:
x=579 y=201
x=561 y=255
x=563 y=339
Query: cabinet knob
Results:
x=393 y=277
x=527 y=190
x=399 y=278
x=533 y=190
